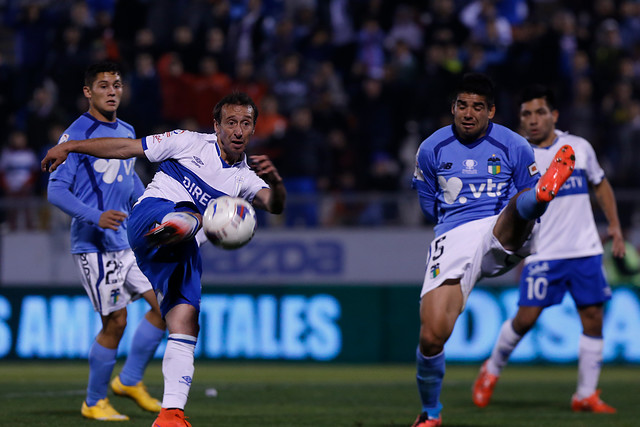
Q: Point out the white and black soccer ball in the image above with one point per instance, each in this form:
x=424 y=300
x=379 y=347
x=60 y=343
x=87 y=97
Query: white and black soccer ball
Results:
x=229 y=222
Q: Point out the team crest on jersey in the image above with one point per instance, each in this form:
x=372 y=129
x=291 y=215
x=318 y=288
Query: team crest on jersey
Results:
x=469 y=166
x=115 y=295
x=493 y=165
x=63 y=138
x=533 y=169
x=435 y=270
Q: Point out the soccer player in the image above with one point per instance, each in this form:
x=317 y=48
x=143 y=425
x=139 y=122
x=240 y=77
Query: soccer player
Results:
x=194 y=169
x=569 y=256
x=478 y=182
x=98 y=195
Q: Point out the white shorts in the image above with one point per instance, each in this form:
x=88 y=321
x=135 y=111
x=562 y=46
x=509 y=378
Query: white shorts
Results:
x=112 y=279
x=470 y=252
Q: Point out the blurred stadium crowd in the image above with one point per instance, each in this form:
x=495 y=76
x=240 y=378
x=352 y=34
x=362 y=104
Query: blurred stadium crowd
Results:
x=347 y=89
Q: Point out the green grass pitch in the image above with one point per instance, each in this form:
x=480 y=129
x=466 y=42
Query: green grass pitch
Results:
x=274 y=394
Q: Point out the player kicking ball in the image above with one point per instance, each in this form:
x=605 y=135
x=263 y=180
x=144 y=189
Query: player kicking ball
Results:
x=479 y=183
x=569 y=257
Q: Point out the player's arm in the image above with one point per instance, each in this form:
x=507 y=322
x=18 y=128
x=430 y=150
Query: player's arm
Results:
x=59 y=194
x=106 y=148
x=607 y=201
x=270 y=199
x=424 y=183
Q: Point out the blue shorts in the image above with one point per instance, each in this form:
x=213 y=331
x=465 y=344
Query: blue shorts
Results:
x=175 y=270
x=544 y=283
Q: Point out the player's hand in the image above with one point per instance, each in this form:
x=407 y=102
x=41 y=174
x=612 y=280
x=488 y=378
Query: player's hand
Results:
x=111 y=219
x=54 y=158
x=617 y=247
x=265 y=169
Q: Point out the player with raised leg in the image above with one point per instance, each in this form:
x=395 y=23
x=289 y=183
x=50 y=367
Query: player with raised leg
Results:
x=569 y=256
x=98 y=195
x=194 y=168
x=479 y=183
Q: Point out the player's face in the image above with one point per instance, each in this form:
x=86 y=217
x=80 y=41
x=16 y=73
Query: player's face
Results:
x=538 y=121
x=471 y=115
x=234 y=130
x=104 y=96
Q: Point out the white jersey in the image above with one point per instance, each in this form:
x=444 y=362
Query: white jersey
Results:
x=567 y=228
x=191 y=170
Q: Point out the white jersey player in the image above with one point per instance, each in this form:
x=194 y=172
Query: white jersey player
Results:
x=568 y=258
x=194 y=169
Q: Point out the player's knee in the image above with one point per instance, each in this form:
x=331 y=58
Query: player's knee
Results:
x=431 y=341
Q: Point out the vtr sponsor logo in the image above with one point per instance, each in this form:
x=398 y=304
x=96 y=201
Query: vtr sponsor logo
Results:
x=453 y=186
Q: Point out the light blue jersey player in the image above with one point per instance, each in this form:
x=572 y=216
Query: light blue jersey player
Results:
x=194 y=169
x=98 y=194
x=479 y=182
x=569 y=256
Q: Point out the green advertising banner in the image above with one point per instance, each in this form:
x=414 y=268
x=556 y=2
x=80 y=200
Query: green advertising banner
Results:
x=317 y=323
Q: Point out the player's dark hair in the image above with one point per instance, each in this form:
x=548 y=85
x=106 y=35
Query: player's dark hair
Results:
x=477 y=84
x=93 y=70
x=235 y=98
x=536 y=91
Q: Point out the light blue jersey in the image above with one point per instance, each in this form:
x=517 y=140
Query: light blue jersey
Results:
x=460 y=182
x=97 y=185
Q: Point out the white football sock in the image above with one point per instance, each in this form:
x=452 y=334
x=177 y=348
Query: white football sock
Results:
x=177 y=368
x=507 y=342
x=589 y=365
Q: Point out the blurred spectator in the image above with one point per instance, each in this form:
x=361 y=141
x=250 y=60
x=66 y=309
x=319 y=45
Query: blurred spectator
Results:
x=271 y=125
x=177 y=89
x=302 y=161
x=291 y=88
x=371 y=48
x=246 y=81
x=143 y=105
x=19 y=169
x=209 y=87
x=404 y=29
x=42 y=112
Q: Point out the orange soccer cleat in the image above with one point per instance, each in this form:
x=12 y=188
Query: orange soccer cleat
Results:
x=423 y=420
x=483 y=387
x=591 y=404
x=559 y=171
x=171 y=418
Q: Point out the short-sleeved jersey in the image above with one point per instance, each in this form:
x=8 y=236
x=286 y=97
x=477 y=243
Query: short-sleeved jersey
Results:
x=191 y=170
x=103 y=184
x=470 y=181
x=567 y=228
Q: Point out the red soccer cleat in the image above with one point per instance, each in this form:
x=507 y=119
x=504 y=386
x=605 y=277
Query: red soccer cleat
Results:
x=559 y=171
x=591 y=404
x=171 y=418
x=483 y=387
x=423 y=420
x=175 y=227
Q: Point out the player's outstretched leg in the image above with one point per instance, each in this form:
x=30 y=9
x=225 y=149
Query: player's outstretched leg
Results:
x=559 y=171
x=175 y=227
x=483 y=386
x=591 y=404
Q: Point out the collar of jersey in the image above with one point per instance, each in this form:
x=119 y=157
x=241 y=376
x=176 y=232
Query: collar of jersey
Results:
x=224 y=162
x=109 y=124
x=477 y=141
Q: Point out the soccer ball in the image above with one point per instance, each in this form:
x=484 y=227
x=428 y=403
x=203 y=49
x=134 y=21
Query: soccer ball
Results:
x=229 y=222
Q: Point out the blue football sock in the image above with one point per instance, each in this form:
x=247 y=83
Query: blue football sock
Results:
x=429 y=376
x=528 y=206
x=101 y=363
x=143 y=347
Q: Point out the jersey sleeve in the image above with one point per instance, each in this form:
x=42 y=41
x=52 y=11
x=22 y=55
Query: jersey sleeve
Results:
x=424 y=181
x=253 y=184
x=525 y=170
x=163 y=146
x=595 y=173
